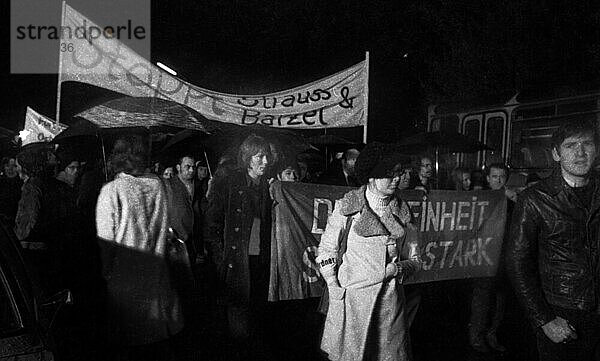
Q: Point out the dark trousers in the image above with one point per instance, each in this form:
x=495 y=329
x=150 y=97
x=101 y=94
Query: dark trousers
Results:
x=585 y=348
x=412 y=294
x=487 y=306
x=249 y=325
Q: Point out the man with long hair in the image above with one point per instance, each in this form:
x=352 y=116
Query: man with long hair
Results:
x=237 y=233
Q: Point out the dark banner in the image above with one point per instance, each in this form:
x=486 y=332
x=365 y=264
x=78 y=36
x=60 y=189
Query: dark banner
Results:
x=460 y=235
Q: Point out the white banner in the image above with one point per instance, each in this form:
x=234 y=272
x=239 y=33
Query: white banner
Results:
x=39 y=128
x=339 y=100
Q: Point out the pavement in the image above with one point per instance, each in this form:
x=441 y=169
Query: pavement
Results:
x=440 y=328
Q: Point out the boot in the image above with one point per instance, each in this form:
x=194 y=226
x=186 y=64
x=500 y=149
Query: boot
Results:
x=492 y=341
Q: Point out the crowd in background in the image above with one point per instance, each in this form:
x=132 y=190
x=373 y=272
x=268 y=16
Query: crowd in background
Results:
x=152 y=253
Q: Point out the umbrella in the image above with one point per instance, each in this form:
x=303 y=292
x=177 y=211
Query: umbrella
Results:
x=81 y=127
x=227 y=138
x=446 y=141
x=9 y=141
x=146 y=112
x=331 y=140
x=333 y=143
x=7 y=133
x=230 y=136
x=187 y=139
x=452 y=142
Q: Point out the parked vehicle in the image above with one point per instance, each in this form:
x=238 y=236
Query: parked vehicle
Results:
x=25 y=318
x=518 y=129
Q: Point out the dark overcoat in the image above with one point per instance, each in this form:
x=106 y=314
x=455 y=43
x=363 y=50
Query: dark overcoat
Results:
x=185 y=213
x=228 y=223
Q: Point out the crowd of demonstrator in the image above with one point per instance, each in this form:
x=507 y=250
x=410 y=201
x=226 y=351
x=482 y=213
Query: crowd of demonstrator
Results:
x=173 y=262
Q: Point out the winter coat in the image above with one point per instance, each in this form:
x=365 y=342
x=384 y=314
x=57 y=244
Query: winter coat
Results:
x=366 y=313
x=228 y=223
x=131 y=220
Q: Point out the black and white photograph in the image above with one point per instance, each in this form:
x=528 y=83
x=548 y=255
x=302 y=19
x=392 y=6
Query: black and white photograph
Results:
x=300 y=180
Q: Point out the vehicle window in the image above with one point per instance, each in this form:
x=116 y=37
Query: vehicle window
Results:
x=471 y=130
x=531 y=146
x=9 y=317
x=494 y=136
x=449 y=124
x=446 y=124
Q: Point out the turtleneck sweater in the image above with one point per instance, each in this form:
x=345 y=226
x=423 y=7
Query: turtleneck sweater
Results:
x=377 y=202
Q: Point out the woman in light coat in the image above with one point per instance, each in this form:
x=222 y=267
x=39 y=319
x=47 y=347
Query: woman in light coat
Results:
x=359 y=256
x=143 y=307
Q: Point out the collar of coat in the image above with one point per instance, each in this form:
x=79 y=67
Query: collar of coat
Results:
x=369 y=224
x=555 y=183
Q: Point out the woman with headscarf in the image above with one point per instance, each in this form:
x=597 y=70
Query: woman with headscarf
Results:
x=360 y=258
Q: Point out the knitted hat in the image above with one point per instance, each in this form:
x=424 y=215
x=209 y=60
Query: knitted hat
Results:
x=377 y=160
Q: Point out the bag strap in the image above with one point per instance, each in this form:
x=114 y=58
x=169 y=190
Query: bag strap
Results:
x=344 y=240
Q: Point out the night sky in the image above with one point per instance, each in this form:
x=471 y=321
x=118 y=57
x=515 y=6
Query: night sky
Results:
x=420 y=52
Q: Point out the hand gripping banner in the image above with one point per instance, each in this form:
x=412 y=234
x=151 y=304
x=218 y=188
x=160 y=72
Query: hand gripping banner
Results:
x=460 y=235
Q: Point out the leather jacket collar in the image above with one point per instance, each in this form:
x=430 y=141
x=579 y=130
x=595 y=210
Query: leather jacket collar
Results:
x=555 y=183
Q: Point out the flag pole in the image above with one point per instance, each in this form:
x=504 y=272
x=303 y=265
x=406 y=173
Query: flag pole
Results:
x=207 y=164
x=105 y=165
x=366 y=97
x=60 y=55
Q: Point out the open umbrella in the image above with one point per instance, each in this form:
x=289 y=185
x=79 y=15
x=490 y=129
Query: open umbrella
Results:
x=440 y=141
x=333 y=144
x=146 y=112
x=227 y=138
x=7 y=133
x=331 y=140
x=187 y=139
x=230 y=136
x=148 y=116
x=81 y=127
x=452 y=142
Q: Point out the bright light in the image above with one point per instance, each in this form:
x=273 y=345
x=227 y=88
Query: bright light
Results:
x=23 y=134
x=166 y=68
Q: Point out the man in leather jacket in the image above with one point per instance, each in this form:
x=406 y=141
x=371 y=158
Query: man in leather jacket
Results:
x=552 y=251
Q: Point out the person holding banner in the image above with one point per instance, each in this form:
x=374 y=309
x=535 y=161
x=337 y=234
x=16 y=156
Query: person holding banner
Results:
x=489 y=294
x=424 y=176
x=359 y=257
x=462 y=179
x=552 y=251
